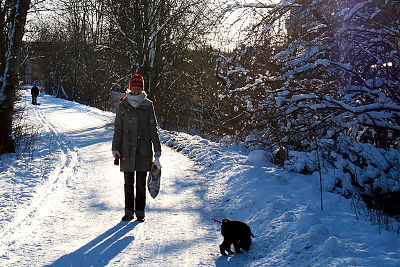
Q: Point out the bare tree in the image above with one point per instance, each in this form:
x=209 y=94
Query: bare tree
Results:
x=92 y=47
x=156 y=33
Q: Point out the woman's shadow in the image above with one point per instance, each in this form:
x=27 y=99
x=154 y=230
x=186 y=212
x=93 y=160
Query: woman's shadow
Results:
x=101 y=250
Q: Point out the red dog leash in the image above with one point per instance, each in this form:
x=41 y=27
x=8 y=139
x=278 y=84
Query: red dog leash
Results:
x=215 y=219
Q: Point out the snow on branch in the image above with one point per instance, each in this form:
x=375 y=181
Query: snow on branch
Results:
x=356 y=8
x=366 y=108
x=306 y=67
x=157 y=31
x=382 y=115
x=257 y=5
x=374 y=107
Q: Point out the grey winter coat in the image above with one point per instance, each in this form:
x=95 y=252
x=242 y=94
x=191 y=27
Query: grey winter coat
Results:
x=134 y=134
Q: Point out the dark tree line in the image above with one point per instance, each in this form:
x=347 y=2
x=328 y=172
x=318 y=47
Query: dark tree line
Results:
x=91 y=48
x=12 y=24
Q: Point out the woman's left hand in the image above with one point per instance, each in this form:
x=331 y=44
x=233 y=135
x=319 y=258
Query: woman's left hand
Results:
x=157 y=162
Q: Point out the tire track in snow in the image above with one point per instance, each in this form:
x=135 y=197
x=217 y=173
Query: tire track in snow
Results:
x=29 y=216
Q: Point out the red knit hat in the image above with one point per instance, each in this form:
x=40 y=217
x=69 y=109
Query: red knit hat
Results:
x=136 y=81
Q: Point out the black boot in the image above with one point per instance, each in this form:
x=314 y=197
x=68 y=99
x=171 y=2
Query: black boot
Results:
x=128 y=215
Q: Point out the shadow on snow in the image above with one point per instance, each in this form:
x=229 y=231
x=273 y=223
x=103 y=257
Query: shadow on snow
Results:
x=101 y=250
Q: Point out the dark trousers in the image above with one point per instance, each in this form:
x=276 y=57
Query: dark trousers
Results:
x=138 y=203
x=34 y=99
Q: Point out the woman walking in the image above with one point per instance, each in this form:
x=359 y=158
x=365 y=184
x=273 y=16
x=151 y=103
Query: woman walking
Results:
x=135 y=137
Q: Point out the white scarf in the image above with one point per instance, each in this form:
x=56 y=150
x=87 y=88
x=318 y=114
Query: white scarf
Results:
x=136 y=100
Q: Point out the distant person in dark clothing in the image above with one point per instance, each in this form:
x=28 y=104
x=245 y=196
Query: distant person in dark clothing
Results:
x=34 y=93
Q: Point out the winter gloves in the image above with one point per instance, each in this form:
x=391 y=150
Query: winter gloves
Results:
x=157 y=162
x=116 y=156
x=116 y=153
x=157 y=156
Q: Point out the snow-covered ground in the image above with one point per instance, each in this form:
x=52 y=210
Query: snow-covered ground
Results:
x=61 y=201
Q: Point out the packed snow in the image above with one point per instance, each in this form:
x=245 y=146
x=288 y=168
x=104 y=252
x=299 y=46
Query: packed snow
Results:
x=62 y=201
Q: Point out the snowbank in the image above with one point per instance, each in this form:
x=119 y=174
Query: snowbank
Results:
x=284 y=211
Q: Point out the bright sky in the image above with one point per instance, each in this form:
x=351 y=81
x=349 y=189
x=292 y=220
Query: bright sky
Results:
x=240 y=19
x=231 y=30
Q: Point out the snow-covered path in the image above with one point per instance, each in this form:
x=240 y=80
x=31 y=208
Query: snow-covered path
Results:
x=73 y=217
x=61 y=201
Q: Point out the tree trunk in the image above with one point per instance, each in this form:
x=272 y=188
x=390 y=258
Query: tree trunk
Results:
x=3 y=36
x=10 y=76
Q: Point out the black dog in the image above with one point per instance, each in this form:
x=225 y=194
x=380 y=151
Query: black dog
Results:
x=237 y=233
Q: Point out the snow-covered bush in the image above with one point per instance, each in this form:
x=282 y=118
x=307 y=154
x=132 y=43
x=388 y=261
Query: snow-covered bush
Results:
x=357 y=170
x=333 y=71
x=259 y=156
x=323 y=75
